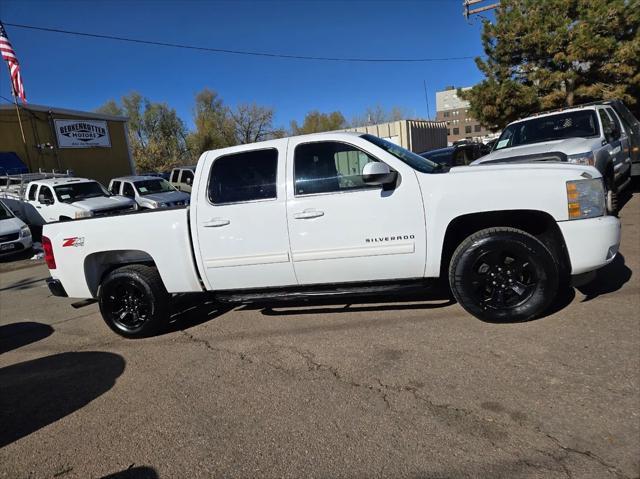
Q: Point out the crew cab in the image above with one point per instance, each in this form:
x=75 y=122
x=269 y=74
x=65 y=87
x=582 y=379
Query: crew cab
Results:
x=148 y=192
x=338 y=214
x=63 y=199
x=591 y=134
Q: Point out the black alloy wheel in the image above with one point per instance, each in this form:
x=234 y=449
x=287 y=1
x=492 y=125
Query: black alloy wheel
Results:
x=133 y=301
x=504 y=274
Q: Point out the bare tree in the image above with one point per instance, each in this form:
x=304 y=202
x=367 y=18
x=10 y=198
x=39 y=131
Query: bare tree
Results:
x=252 y=123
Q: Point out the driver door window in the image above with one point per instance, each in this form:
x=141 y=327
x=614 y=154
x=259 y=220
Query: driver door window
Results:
x=187 y=177
x=45 y=196
x=326 y=167
x=127 y=190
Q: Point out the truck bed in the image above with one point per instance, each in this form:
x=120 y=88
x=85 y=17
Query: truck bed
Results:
x=89 y=245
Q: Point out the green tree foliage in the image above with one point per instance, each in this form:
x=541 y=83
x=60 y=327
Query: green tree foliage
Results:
x=316 y=122
x=554 y=53
x=157 y=135
x=213 y=127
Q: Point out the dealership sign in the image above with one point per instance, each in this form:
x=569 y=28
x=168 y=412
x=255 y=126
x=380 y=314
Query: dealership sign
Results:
x=82 y=134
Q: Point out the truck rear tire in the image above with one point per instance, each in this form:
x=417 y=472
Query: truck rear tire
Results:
x=133 y=301
x=504 y=275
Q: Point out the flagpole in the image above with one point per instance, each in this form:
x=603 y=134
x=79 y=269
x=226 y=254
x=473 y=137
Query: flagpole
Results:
x=15 y=101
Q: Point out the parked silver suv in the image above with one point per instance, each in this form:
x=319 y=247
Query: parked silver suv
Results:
x=588 y=135
x=149 y=192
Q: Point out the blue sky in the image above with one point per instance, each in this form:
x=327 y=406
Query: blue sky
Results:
x=82 y=73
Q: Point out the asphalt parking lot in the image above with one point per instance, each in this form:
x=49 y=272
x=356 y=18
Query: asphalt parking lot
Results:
x=410 y=389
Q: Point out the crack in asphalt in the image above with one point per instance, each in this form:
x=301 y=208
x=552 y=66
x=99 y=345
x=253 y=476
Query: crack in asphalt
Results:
x=382 y=390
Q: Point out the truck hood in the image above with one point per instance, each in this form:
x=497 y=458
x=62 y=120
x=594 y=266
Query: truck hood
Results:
x=103 y=203
x=168 y=197
x=567 y=170
x=10 y=225
x=569 y=146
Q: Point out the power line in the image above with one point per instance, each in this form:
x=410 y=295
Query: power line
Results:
x=236 y=52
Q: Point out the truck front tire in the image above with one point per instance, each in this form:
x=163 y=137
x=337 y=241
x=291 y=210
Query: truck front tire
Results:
x=133 y=301
x=503 y=275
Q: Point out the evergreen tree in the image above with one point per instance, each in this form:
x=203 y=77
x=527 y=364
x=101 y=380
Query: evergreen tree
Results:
x=544 y=54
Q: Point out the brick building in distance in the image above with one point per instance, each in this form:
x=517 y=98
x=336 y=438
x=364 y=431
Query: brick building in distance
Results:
x=455 y=112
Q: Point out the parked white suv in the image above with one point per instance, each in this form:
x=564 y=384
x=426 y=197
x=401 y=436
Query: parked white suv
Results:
x=14 y=234
x=338 y=214
x=149 y=192
x=586 y=135
x=182 y=178
x=60 y=199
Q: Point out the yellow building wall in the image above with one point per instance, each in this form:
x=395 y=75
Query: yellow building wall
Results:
x=100 y=164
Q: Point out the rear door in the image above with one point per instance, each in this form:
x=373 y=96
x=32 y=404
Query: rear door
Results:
x=343 y=230
x=240 y=223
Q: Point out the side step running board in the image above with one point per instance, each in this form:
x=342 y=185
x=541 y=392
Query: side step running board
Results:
x=412 y=287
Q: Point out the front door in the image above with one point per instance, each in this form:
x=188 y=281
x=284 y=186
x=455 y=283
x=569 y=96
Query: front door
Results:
x=240 y=223
x=343 y=230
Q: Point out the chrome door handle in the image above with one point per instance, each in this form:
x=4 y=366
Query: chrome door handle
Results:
x=308 y=214
x=215 y=222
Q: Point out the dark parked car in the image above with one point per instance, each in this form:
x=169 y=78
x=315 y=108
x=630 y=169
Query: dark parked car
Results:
x=460 y=154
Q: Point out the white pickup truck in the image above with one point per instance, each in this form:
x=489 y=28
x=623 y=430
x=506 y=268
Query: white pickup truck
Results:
x=341 y=214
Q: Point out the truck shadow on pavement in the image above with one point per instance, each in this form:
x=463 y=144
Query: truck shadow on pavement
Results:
x=26 y=283
x=607 y=280
x=138 y=472
x=36 y=393
x=16 y=335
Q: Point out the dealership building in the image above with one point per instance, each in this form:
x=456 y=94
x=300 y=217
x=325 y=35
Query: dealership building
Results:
x=88 y=144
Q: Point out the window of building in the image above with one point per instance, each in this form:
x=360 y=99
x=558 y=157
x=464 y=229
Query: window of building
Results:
x=456 y=131
x=32 y=192
x=328 y=166
x=467 y=129
x=477 y=128
x=448 y=131
x=446 y=114
x=115 y=188
x=247 y=176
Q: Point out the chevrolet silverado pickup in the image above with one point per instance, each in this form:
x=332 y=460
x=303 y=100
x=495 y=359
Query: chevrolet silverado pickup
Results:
x=337 y=214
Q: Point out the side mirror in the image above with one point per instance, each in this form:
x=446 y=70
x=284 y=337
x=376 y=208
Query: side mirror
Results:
x=44 y=201
x=378 y=173
x=188 y=181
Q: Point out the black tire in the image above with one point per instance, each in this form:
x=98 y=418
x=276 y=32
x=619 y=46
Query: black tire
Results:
x=504 y=275
x=612 y=195
x=134 y=302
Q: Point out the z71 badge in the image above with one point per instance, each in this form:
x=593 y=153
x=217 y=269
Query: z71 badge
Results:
x=76 y=241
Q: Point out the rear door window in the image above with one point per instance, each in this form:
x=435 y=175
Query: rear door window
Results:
x=247 y=176
x=115 y=188
x=174 y=175
x=31 y=195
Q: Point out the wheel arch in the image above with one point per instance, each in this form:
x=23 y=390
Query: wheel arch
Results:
x=98 y=265
x=537 y=223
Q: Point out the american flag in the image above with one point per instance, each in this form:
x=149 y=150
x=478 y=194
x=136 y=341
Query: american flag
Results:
x=12 y=62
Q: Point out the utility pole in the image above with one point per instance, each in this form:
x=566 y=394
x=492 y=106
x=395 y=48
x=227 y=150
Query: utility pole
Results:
x=426 y=98
x=466 y=11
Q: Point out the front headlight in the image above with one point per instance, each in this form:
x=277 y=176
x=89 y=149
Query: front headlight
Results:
x=25 y=231
x=83 y=214
x=585 y=198
x=585 y=158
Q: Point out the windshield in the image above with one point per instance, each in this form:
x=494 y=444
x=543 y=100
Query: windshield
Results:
x=71 y=192
x=573 y=124
x=5 y=213
x=413 y=160
x=150 y=187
